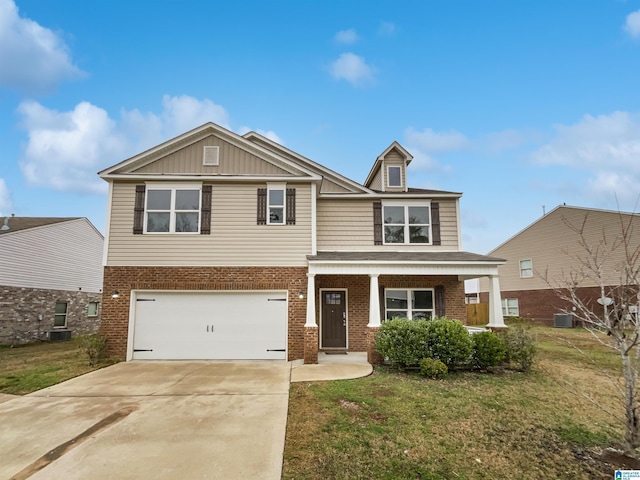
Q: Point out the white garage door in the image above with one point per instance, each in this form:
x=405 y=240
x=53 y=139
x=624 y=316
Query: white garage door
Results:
x=210 y=325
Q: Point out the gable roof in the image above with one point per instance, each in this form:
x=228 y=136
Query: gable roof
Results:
x=376 y=166
x=17 y=224
x=559 y=211
x=127 y=167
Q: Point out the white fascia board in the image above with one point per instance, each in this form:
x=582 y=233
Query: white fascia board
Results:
x=217 y=178
x=390 y=196
x=380 y=268
x=107 y=229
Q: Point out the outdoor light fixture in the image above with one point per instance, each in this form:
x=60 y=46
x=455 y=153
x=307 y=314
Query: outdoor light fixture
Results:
x=301 y=295
x=115 y=294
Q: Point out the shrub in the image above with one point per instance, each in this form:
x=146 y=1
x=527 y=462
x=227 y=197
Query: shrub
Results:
x=403 y=342
x=94 y=346
x=488 y=350
x=520 y=346
x=449 y=342
x=432 y=368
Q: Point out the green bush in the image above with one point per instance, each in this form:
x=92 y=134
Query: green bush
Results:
x=93 y=346
x=449 y=342
x=520 y=346
x=488 y=350
x=432 y=368
x=403 y=342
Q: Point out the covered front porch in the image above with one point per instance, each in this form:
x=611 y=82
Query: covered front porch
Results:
x=349 y=294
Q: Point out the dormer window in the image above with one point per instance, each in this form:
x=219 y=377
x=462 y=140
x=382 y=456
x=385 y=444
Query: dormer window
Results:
x=394 y=176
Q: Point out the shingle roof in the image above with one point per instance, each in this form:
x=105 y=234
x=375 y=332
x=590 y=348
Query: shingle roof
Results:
x=23 y=223
x=402 y=257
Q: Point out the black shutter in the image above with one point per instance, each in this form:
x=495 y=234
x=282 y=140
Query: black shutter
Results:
x=377 y=223
x=291 y=206
x=262 y=206
x=205 y=214
x=435 y=223
x=439 y=301
x=138 y=210
x=382 y=303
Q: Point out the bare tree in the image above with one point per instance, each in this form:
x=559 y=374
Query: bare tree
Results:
x=610 y=266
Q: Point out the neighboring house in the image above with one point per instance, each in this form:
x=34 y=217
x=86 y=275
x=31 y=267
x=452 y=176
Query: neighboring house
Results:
x=542 y=256
x=50 y=278
x=222 y=246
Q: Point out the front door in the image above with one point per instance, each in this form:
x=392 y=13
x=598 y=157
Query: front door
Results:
x=334 y=319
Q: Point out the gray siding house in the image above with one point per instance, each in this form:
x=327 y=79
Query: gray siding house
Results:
x=50 y=278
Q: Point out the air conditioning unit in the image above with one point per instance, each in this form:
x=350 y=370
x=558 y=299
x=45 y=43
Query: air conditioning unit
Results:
x=563 y=320
x=61 y=335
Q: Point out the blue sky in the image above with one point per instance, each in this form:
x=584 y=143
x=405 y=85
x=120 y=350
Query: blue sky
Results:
x=517 y=104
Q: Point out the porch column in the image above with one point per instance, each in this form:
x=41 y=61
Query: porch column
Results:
x=374 y=301
x=310 y=326
x=496 y=320
x=373 y=357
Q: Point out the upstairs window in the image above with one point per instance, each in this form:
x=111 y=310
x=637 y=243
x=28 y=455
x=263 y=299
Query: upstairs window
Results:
x=406 y=224
x=276 y=204
x=172 y=210
x=394 y=176
x=526 y=268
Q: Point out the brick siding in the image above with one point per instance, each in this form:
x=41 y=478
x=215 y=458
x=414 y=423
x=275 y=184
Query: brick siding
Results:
x=20 y=309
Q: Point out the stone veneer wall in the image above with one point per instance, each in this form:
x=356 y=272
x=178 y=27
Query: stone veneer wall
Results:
x=115 y=313
x=20 y=308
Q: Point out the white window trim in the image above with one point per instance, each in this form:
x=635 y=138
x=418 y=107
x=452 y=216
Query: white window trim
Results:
x=406 y=205
x=505 y=307
x=409 y=309
x=389 y=176
x=277 y=186
x=66 y=315
x=530 y=268
x=97 y=309
x=172 y=217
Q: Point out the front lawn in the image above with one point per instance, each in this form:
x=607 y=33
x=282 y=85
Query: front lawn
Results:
x=470 y=425
x=25 y=369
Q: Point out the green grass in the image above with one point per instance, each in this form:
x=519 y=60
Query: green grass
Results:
x=28 y=368
x=507 y=424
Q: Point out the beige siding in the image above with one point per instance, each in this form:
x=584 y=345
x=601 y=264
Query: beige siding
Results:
x=376 y=181
x=393 y=158
x=348 y=225
x=330 y=187
x=552 y=247
x=61 y=256
x=235 y=240
x=233 y=161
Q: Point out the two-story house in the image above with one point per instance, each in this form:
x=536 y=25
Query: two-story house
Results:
x=222 y=246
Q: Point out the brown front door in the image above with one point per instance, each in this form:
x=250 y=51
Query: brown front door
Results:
x=334 y=319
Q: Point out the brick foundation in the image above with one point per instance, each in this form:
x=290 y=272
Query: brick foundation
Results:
x=20 y=309
x=310 y=344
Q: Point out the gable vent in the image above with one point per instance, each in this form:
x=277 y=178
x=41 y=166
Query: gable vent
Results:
x=211 y=156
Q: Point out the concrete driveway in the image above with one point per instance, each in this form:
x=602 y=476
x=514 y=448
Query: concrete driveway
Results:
x=160 y=420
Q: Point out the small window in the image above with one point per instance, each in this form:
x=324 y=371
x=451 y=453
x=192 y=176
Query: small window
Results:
x=409 y=303
x=275 y=205
x=211 y=156
x=60 y=318
x=510 y=307
x=394 y=176
x=526 y=269
x=92 y=309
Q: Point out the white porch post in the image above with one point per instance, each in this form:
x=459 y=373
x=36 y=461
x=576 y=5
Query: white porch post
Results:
x=496 y=320
x=311 y=301
x=374 y=301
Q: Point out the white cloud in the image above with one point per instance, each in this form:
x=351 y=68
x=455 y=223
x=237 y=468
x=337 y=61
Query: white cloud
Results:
x=5 y=199
x=632 y=24
x=34 y=59
x=346 y=36
x=606 y=146
x=65 y=149
x=270 y=134
x=424 y=144
x=353 y=69
x=386 y=29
